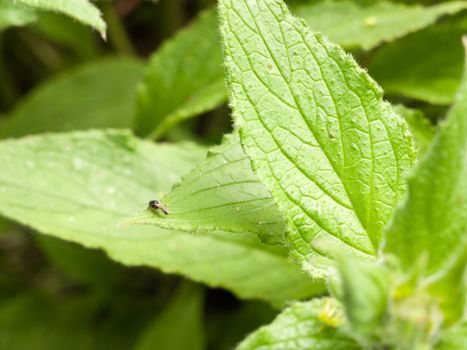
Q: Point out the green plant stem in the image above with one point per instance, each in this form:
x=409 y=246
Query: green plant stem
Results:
x=117 y=33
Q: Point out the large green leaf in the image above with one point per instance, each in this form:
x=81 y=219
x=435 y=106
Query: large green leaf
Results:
x=318 y=133
x=81 y=10
x=414 y=67
x=183 y=79
x=303 y=326
x=98 y=95
x=183 y=315
x=367 y=23
x=14 y=15
x=79 y=186
x=433 y=218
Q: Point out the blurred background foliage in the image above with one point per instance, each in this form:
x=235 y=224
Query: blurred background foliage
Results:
x=57 y=74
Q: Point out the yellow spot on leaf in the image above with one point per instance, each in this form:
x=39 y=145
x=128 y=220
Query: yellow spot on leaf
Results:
x=370 y=22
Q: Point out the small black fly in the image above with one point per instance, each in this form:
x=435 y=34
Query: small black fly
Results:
x=156 y=205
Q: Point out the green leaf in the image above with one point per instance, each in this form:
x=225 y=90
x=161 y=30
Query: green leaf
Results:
x=14 y=15
x=412 y=68
x=222 y=194
x=79 y=186
x=365 y=296
x=223 y=198
x=318 y=133
x=98 y=95
x=83 y=11
x=180 y=325
x=367 y=23
x=303 y=326
x=433 y=219
x=454 y=338
x=419 y=125
x=183 y=79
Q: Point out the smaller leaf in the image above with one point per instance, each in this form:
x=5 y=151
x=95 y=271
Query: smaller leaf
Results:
x=183 y=79
x=221 y=194
x=303 y=326
x=81 y=10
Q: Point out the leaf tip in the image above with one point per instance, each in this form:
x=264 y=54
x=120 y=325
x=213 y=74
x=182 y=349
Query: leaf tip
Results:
x=103 y=34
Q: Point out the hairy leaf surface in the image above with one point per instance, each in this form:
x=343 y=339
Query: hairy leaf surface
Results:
x=318 y=133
